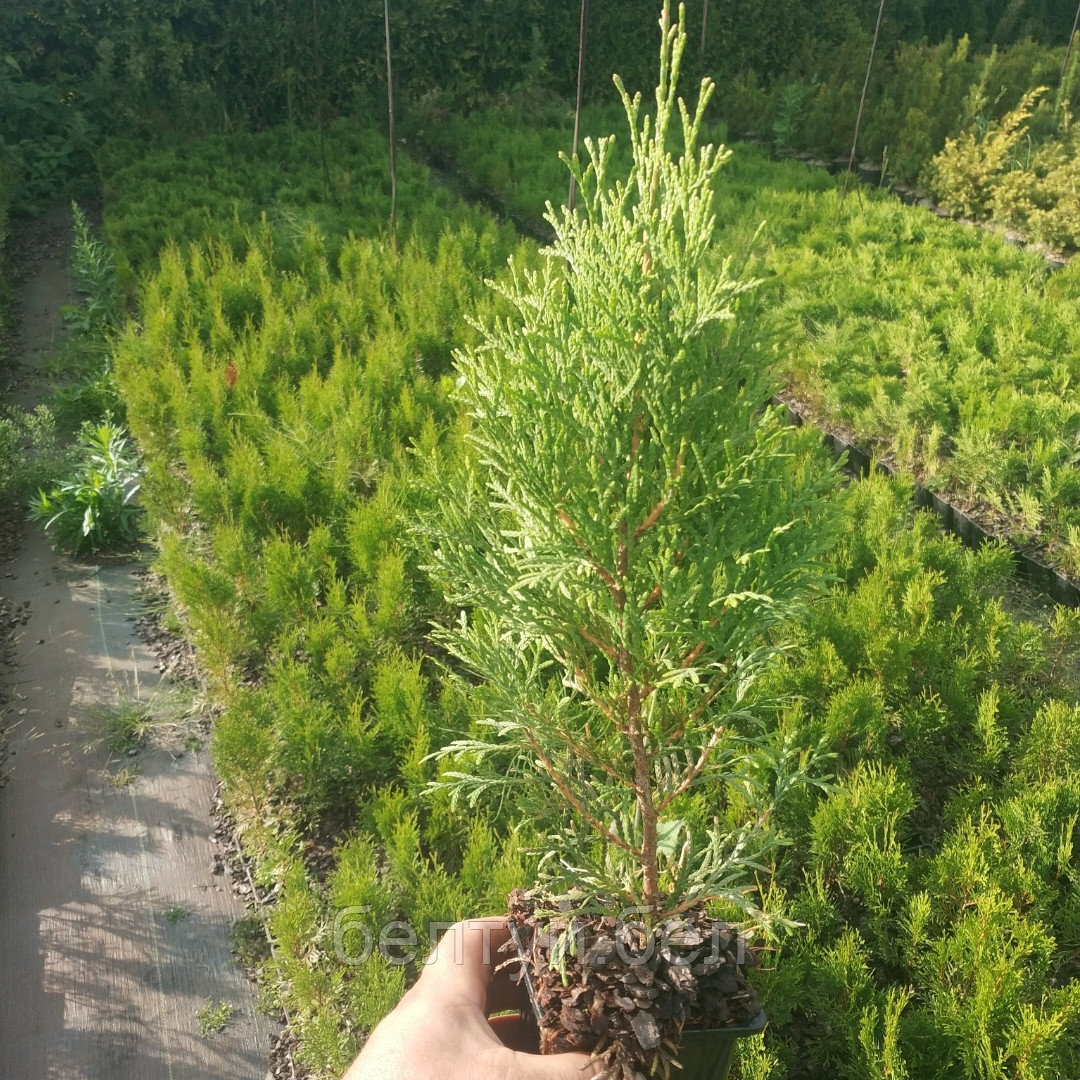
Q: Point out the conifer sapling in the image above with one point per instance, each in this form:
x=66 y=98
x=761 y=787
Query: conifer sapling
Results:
x=632 y=530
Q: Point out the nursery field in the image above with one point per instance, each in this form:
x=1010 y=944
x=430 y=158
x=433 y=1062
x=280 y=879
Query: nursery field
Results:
x=288 y=367
x=941 y=350
x=497 y=566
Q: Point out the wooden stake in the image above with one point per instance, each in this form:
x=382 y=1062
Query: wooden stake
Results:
x=862 y=103
x=390 y=111
x=322 y=118
x=572 y=198
x=1068 y=48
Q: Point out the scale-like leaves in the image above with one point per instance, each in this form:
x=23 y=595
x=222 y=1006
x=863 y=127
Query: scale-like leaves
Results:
x=634 y=525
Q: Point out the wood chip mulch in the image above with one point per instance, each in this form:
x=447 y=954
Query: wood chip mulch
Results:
x=629 y=991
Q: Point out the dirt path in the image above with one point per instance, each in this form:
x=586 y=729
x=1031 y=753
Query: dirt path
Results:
x=114 y=930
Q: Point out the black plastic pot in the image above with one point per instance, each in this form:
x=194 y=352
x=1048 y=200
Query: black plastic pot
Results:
x=704 y=1053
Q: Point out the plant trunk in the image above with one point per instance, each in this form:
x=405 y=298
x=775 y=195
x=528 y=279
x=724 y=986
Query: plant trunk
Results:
x=644 y=793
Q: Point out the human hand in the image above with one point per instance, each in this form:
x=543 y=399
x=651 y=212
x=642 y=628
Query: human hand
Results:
x=440 y=1030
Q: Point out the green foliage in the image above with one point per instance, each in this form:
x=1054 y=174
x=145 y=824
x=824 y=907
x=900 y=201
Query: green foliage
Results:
x=92 y=509
x=281 y=376
x=277 y=380
x=31 y=453
x=126 y=726
x=945 y=350
x=94 y=276
x=785 y=125
x=634 y=532
x=936 y=880
x=44 y=140
x=213 y=1019
x=268 y=183
x=998 y=174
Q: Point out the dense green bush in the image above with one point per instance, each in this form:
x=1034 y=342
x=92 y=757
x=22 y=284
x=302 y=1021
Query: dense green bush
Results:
x=31 y=453
x=76 y=73
x=271 y=183
x=279 y=377
x=938 y=882
x=997 y=172
x=276 y=381
x=45 y=141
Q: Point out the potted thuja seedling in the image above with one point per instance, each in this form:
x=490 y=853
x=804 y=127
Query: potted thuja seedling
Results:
x=628 y=532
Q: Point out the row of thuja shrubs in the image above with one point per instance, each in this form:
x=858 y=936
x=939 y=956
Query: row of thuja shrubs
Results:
x=947 y=351
x=221 y=185
x=990 y=135
x=1000 y=171
x=278 y=380
x=937 y=882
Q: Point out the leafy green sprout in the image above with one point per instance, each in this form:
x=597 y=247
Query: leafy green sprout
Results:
x=93 y=509
x=125 y=777
x=213 y=1018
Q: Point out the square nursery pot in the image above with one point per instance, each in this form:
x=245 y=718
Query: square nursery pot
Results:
x=704 y=1053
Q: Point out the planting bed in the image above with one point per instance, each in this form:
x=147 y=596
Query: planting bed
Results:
x=277 y=378
x=941 y=350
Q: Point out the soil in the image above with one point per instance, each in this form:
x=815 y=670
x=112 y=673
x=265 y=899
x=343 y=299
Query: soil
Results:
x=114 y=928
x=625 y=992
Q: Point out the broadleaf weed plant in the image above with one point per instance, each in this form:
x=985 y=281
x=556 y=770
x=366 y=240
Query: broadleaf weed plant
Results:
x=634 y=533
x=93 y=508
x=30 y=451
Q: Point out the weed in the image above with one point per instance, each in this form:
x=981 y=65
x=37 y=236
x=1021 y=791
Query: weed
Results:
x=92 y=509
x=212 y=1018
x=787 y=122
x=176 y=915
x=31 y=453
x=247 y=941
x=95 y=280
x=125 y=726
x=125 y=777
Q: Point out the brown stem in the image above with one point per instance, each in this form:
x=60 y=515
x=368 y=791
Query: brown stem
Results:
x=605 y=575
x=658 y=509
x=564 y=789
x=643 y=791
x=584 y=754
x=607 y=650
x=710 y=696
x=652 y=519
x=693 y=654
